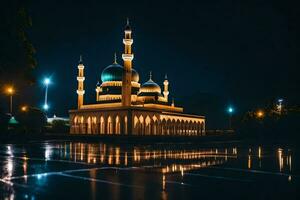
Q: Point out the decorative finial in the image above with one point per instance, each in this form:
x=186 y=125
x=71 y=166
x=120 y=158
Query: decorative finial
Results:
x=115 y=58
x=150 y=75
x=127 y=27
x=80 y=59
x=173 y=103
x=166 y=76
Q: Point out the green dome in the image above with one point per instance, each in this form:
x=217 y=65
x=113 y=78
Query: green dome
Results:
x=114 y=72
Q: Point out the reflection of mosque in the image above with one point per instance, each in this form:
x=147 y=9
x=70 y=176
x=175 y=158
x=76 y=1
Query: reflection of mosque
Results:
x=124 y=106
x=168 y=159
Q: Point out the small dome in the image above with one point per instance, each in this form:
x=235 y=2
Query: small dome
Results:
x=114 y=72
x=150 y=87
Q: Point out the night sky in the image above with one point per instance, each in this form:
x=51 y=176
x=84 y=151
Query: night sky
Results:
x=223 y=52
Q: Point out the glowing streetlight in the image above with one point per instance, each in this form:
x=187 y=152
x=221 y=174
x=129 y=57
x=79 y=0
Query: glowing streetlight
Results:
x=230 y=110
x=10 y=91
x=46 y=106
x=47 y=81
x=24 y=108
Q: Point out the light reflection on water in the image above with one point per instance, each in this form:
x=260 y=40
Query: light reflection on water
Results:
x=161 y=158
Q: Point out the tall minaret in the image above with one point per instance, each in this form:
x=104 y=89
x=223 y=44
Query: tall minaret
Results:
x=80 y=79
x=166 y=88
x=127 y=58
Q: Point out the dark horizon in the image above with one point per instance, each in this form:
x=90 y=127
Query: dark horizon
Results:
x=234 y=52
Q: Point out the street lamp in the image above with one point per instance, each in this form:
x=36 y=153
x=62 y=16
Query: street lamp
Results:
x=10 y=91
x=230 y=111
x=47 y=81
x=279 y=105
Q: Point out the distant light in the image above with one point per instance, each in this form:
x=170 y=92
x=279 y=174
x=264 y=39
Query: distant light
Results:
x=46 y=106
x=24 y=108
x=10 y=90
x=230 y=110
x=39 y=176
x=280 y=100
x=260 y=114
x=47 y=81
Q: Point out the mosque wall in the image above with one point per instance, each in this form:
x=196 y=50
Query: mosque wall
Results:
x=135 y=122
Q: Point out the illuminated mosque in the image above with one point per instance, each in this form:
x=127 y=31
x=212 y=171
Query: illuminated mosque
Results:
x=125 y=107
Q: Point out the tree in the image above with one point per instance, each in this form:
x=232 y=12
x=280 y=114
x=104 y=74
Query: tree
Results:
x=17 y=60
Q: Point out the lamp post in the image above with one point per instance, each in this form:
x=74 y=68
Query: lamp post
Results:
x=46 y=83
x=279 y=105
x=230 y=111
x=10 y=91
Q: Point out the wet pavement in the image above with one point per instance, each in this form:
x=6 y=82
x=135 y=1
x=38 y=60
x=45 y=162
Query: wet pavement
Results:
x=82 y=170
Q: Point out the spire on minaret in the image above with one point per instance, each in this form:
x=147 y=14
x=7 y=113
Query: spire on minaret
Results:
x=115 y=59
x=127 y=27
x=150 y=75
x=80 y=59
x=166 y=88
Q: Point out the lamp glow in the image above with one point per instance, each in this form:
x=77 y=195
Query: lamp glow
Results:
x=46 y=106
x=47 y=81
x=230 y=110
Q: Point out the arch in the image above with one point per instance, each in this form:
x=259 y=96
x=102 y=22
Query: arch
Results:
x=190 y=127
x=155 y=125
x=147 y=125
x=163 y=127
x=202 y=128
x=118 y=125
x=82 y=125
x=94 y=125
x=89 y=125
x=76 y=124
x=102 y=125
x=177 y=129
x=168 y=127
x=141 y=127
x=125 y=125
x=184 y=127
x=173 y=127
x=109 y=125
x=136 y=124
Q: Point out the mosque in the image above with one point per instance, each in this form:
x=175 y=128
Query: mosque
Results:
x=123 y=106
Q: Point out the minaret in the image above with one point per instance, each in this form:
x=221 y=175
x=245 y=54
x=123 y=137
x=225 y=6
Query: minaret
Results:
x=166 y=88
x=98 y=89
x=80 y=79
x=127 y=57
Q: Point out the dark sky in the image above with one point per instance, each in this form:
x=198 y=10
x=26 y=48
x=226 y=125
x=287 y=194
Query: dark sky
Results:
x=233 y=50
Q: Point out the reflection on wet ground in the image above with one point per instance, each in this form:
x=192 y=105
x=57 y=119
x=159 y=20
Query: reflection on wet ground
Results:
x=81 y=170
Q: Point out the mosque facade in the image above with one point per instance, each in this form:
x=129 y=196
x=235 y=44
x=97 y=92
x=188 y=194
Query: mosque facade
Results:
x=123 y=106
